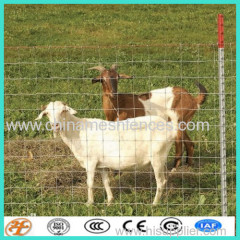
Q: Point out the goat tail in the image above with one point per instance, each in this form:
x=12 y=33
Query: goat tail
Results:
x=201 y=98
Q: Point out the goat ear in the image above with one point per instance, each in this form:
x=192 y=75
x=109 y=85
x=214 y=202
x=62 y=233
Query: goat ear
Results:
x=97 y=79
x=124 y=76
x=41 y=115
x=70 y=110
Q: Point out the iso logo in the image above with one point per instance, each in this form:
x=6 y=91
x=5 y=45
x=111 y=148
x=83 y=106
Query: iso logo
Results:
x=58 y=226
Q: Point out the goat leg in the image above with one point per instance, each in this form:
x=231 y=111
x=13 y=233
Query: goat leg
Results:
x=179 y=149
x=106 y=181
x=189 y=145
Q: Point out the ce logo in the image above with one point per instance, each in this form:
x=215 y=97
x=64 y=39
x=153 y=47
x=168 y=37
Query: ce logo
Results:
x=140 y=226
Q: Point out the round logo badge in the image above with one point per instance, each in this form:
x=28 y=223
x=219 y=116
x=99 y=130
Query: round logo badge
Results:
x=171 y=225
x=58 y=226
x=97 y=226
x=18 y=227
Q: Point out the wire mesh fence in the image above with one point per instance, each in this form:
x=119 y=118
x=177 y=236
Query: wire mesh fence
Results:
x=43 y=177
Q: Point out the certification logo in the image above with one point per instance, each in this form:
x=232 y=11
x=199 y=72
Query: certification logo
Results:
x=18 y=227
x=171 y=225
x=58 y=226
x=140 y=226
x=97 y=226
x=208 y=225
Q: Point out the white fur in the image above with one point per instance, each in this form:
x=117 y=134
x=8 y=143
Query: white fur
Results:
x=160 y=102
x=118 y=149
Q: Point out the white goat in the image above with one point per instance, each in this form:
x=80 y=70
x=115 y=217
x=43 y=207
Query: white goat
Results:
x=114 y=147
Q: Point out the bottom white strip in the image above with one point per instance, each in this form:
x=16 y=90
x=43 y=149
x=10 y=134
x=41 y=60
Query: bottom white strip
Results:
x=119 y=226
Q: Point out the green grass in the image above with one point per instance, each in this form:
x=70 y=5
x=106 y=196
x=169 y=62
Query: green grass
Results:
x=31 y=25
x=53 y=183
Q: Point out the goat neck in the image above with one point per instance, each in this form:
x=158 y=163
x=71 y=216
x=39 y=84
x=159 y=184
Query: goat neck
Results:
x=110 y=107
x=69 y=126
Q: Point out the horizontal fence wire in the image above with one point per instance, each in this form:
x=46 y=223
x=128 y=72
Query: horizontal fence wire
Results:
x=51 y=181
x=125 y=46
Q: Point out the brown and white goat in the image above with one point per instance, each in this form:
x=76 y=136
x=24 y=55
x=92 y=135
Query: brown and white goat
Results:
x=156 y=102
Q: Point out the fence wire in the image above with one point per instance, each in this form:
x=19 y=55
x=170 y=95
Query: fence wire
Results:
x=51 y=182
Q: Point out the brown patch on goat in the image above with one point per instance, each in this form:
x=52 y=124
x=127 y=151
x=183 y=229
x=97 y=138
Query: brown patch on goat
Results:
x=185 y=105
x=123 y=106
x=145 y=96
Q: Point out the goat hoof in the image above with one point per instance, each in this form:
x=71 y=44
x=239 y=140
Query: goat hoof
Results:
x=155 y=203
x=173 y=170
x=110 y=201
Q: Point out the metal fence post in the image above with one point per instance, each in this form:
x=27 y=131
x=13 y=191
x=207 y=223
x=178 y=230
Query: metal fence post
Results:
x=222 y=115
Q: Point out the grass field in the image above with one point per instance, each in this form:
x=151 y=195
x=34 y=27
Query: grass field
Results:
x=161 y=45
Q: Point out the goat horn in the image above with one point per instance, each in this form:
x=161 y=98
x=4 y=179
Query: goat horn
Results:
x=114 y=67
x=99 y=68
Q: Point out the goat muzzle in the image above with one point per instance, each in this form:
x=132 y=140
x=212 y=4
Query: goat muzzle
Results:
x=56 y=127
